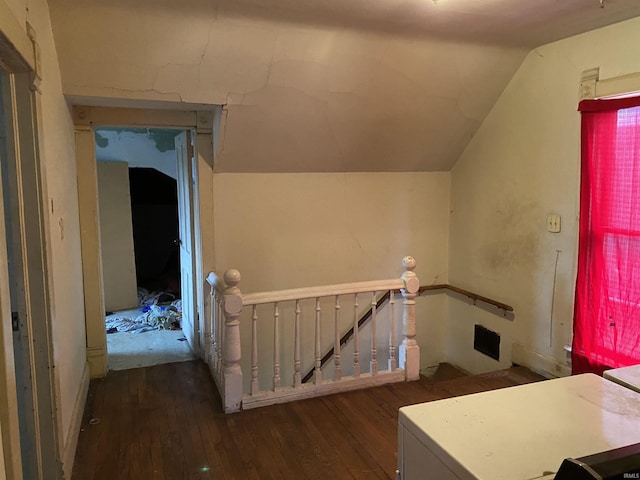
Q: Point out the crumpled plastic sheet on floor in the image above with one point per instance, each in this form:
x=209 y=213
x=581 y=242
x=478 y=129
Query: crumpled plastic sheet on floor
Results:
x=161 y=317
x=154 y=318
x=124 y=324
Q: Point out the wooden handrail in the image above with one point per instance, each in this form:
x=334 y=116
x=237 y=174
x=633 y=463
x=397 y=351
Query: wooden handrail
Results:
x=385 y=298
x=467 y=293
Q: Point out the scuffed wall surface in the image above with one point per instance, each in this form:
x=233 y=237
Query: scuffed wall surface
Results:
x=523 y=165
x=299 y=98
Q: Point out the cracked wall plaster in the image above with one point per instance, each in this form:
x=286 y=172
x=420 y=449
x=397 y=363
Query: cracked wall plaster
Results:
x=305 y=98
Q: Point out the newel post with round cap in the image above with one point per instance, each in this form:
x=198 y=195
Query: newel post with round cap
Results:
x=409 y=352
x=232 y=373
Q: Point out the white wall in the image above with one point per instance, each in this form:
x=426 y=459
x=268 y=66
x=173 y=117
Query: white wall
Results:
x=522 y=166
x=116 y=237
x=294 y=230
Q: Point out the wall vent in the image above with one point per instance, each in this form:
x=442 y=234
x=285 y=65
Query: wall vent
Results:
x=487 y=342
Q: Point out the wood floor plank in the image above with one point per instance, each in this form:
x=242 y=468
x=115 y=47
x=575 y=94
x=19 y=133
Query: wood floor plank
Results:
x=371 y=436
x=303 y=449
x=323 y=430
x=270 y=462
x=166 y=423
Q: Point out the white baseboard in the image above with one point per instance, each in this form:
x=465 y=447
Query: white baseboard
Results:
x=543 y=364
x=69 y=452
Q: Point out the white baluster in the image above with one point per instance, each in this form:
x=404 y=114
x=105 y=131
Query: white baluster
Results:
x=297 y=376
x=214 y=332
x=392 y=332
x=220 y=326
x=318 y=352
x=276 y=347
x=232 y=350
x=409 y=355
x=356 y=338
x=336 y=348
x=255 y=387
x=211 y=359
x=374 y=360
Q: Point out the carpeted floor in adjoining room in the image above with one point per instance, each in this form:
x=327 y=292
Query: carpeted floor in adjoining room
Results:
x=133 y=350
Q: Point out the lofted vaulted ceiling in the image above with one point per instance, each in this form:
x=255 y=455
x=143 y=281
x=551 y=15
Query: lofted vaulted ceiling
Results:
x=317 y=85
x=524 y=23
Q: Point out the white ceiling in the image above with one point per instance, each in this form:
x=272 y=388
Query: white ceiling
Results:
x=318 y=85
x=522 y=23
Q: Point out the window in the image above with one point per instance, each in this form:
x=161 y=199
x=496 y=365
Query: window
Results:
x=607 y=307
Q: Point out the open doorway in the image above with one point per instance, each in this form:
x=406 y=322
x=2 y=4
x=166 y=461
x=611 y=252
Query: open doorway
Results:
x=145 y=214
x=198 y=165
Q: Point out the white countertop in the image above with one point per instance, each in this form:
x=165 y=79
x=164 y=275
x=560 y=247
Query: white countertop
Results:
x=626 y=376
x=526 y=432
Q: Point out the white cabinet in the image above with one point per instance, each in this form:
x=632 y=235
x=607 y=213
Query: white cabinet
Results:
x=516 y=433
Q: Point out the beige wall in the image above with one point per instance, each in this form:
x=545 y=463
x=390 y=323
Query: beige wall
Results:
x=522 y=166
x=18 y=9
x=116 y=237
x=58 y=156
x=61 y=207
x=309 y=98
x=295 y=230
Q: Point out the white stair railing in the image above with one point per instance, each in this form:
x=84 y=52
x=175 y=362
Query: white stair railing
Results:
x=224 y=351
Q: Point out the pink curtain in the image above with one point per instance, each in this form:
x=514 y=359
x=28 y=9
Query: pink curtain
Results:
x=606 y=329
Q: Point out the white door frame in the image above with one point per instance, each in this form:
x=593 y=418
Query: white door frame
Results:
x=186 y=178
x=85 y=119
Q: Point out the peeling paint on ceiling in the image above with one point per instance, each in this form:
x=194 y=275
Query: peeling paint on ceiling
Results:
x=163 y=138
x=138 y=147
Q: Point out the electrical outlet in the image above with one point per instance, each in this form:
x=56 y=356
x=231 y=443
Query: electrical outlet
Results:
x=553 y=223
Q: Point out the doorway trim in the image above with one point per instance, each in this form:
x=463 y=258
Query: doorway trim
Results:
x=84 y=119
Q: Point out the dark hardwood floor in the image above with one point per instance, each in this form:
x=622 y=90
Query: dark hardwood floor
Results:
x=165 y=423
